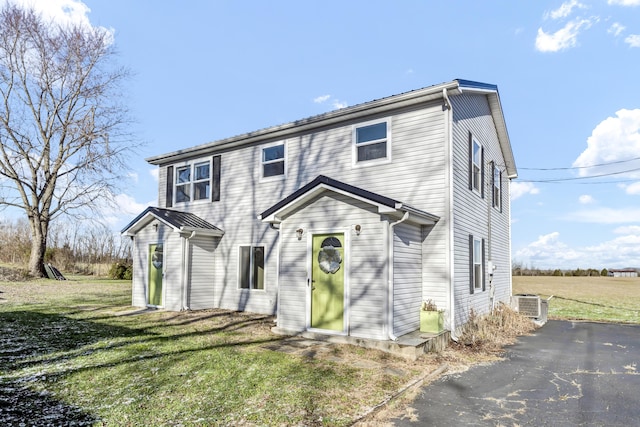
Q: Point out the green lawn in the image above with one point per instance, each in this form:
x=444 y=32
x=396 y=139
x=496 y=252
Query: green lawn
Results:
x=605 y=299
x=67 y=356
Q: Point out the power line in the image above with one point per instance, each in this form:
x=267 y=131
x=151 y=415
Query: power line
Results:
x=580 y=177
x=581 y=167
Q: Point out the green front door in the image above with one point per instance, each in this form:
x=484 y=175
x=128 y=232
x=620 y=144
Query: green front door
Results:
x=327 y=282
x=155 y=274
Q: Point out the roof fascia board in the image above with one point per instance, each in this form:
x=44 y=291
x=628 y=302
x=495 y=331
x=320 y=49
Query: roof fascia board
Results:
x=276 y=216
x=378 y=106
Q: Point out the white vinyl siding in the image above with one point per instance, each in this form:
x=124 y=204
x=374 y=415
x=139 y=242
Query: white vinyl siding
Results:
x=472 y=214
x=202 y=251
x=407 y=278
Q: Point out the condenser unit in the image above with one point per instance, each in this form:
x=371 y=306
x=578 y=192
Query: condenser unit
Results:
x=527 y=305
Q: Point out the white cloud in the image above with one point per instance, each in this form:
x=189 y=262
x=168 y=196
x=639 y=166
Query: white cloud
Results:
x=550 y=252
x=633 y=40
x=604 y=215
x=632 y=189
x=586 y=199
x=565 y=9
x=155 y=173
x=615 y=139
x=335 y=103
x=127 y=205
x=564 y=38
x=339 y=104
x=519 y=189
x=321 y=99
x=63 y=12
x=616 y=29
x=624 y=2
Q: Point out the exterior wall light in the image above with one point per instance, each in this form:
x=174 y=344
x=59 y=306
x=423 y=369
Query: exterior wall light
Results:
x=155 y=227
x=358 y=229
x=299 y=232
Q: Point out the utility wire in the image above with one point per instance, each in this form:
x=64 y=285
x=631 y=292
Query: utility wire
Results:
x=580 y=177
x=580 y=167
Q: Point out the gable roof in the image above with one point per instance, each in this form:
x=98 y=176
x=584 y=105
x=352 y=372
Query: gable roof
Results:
x=321 y=183
x=377 y=106
x=180 y=221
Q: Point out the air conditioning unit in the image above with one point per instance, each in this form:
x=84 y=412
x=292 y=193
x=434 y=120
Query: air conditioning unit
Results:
x=527 y=305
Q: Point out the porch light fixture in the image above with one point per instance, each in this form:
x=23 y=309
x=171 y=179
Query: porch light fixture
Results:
x=299 y=232
x=155 y=227
x=358 y=229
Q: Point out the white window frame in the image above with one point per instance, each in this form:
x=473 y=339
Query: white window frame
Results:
x=252 y=283
x=477 y=264
x=192 y=181
x=476 y=163
x=497 y=187
x=355 y=145
x=263 y=163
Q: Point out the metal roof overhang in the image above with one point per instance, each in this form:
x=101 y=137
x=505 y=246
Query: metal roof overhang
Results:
x=148 y=216
x=322 y=184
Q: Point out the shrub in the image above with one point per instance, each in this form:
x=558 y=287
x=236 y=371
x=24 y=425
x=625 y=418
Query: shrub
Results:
x=121 y=271
x=500 y=327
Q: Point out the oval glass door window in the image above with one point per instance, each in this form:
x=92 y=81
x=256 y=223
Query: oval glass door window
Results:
x=156 y=257
x=329 y=258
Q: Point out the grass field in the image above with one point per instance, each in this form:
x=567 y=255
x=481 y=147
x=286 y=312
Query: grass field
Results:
x=69 y=357
x=609 y=299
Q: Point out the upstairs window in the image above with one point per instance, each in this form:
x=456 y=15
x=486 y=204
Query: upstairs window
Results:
x=195 y=182
x=497 y=187
x=273 y=161
x=476 y=171
x=371 y=141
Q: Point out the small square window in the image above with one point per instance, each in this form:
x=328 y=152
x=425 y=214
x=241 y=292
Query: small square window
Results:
x=371 y=142
x=193 y=182
x=273 y=161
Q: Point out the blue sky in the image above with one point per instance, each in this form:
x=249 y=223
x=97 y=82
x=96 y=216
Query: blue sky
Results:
x=567 y=73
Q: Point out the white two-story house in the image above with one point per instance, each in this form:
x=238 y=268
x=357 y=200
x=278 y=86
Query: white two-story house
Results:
x=341 y=223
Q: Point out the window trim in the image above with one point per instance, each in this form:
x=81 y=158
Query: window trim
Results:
x=281 y=176
x=476 y=261
x=476 y=183
x=355 y=145
x=251 y=287
x=192 y=165
x=496 y=187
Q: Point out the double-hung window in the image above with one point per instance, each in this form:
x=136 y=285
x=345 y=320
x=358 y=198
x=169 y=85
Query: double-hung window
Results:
x=497 y=187
x=273 y=161
x=251 y=270
x=476 y=165
x=476 y=264
x=194 y=182
x=371 y=141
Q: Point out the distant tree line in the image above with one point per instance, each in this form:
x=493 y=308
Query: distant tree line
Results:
x=72 y=247
x=520 y=269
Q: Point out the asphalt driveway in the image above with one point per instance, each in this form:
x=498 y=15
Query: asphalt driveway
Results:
x=567 y=374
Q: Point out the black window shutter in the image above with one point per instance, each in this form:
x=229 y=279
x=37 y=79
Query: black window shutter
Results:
x=493 y=183
x=482 y=168
x=215 y=184
x=471 y=281
x=500 y=184
x=484 y=282
x=169 y=193
x=470 y=161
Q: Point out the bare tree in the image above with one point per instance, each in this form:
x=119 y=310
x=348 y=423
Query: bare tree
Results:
x=63 y=143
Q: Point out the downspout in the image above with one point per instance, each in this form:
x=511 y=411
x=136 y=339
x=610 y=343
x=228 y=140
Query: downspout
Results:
x=448 y=135
x=392 y=336
x=183 y=288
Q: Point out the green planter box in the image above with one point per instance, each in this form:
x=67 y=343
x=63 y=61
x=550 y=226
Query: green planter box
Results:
x=431 y=321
